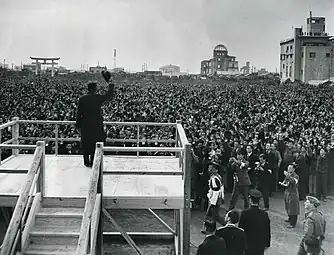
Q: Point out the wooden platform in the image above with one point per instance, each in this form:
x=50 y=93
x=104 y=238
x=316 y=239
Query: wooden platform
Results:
x=66 y=176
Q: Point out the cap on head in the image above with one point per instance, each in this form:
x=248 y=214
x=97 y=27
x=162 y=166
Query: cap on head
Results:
x=254 y=193
x=313 y=200
x=210 y=226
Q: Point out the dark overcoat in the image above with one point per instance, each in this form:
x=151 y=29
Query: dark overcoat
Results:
x=90 y=121
x=256 y=224
x=291 y=195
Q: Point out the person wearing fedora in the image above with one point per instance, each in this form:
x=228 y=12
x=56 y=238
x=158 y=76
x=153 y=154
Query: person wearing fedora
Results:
x=89 y=118
x=314 y=228
x=215 y=195
x=291 y=195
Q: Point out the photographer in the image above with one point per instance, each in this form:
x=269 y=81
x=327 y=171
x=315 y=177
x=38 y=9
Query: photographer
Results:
x=263 y=178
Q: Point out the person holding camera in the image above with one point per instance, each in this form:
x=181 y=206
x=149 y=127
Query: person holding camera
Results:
x=89 y=118
x=291 y=195
x=263 y=178
x=239 y=167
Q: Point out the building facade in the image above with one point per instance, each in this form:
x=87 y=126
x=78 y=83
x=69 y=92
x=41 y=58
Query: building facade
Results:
x=246 y=69
x=308 y=56
x=97 y=69
x=170 y=70
x=220 y=63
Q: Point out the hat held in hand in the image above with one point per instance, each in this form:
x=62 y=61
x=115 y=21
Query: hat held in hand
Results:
x=106 y=75
x=313 y=200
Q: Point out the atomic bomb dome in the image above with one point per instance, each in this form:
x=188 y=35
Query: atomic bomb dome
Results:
x=221 y=63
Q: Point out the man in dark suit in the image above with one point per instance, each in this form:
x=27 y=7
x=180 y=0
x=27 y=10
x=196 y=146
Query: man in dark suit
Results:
x=252 y=159
x=212 y=244
x=256 y=224
x=90 y=121
x=235 y=237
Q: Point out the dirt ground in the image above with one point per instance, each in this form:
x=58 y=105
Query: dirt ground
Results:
x=284 y=241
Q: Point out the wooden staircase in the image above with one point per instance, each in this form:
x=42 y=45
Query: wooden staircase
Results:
x=54 y=230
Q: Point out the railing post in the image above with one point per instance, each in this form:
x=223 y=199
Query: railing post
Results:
x=56 y=136
x=0 y=148
x=179 y=154
x=40 y=185
x=186 y=213
x=137 y=139
x=99 y=245
x=15 y=135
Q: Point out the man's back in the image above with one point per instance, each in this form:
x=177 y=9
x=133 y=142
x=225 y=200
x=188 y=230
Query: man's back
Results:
x=256 y=224
x=212 y=245
x=235 y=239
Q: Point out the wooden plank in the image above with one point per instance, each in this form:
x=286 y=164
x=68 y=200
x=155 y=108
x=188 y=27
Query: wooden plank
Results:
x=141 y=173
x=95 y=224
x=90 y=202
x=31 y=220
x=143 y=202
x=17 y=146
x=162 y=221
x=8 y=141
x=13 y=171
x=182 y=134
x=40 y=187
x=8 y=124
x=7 y=159
x=18 y=211
x=76 y=202
x=121 y=230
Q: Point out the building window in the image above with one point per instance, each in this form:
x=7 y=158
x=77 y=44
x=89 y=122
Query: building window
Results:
x=328 y=55
x=302 y=54
x=283 y=66
x=287 y=48
x=282 y=57
x=291 y=48
x=218 y=66
x=280 y=74
x=301 y=71
x=286 y=71
x=312 y=55
x=218 y=59
x=290 y=71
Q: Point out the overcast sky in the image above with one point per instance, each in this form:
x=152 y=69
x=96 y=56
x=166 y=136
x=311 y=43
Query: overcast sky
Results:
x=156 y=32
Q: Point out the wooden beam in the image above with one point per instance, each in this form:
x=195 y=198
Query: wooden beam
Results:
x=142 y=235
x=90 y=202
x=124 y=234
x=13 y=171
x=95 y=224
x=21 y=203
x=73 y=202
x=143 y=202
x=144 y=149
x=141 y=173
x=162 y=221
x=186 y=211
x=7 y=159
x=40 y=187
x=8 y=141
x=18 y=146
x=8 y=124
x=31 y=220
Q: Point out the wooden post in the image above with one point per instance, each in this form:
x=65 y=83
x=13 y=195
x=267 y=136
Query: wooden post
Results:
x=185 y=213
x=15 y=135
x=99 y=245
x=40 y=185
x=0 y=148
x=179 y=154
x=56 y=136
x=137 y=139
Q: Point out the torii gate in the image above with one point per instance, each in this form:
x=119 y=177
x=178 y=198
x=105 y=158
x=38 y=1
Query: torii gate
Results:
x=45 y=63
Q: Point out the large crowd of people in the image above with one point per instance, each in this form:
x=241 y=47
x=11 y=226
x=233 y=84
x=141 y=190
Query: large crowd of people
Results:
x=261 y=123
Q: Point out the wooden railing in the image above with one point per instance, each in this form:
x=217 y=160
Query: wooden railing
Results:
x=14 y=238
x=16 y=121
x=91 y=227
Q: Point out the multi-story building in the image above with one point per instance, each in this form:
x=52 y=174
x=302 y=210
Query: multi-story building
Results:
x=221 y=63
x=308 y=56
x=170 y=70
x=245 y=69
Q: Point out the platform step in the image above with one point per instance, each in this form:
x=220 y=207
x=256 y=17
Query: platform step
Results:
x=69 y=222
x=41 y=249
x=62 y=210
x=54 y=238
